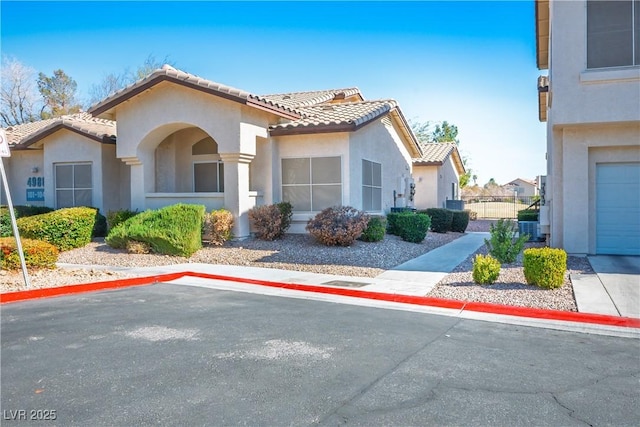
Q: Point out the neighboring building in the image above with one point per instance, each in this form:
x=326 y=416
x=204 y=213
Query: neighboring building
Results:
x=437 y=175
x=522 y=187
x=591 y=103
x=181 y=138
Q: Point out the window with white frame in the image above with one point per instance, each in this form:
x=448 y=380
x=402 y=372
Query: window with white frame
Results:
x=371 y=186
x=312 y=183
x=73 y=185
x=208 y=169
x=613 y=33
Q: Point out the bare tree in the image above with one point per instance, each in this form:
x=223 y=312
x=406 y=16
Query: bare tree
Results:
x=59 y=93
x=19 y=98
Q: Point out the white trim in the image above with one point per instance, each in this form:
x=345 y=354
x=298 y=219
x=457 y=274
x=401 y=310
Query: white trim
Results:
x=610 y=75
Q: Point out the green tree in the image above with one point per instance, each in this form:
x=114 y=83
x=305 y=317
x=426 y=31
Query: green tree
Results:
x=445 y=132
x=59 y=94
x=422 y=131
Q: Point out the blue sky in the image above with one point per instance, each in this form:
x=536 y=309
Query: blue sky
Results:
x=470 y=63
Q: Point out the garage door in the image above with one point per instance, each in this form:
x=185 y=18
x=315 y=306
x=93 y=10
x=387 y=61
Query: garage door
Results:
x=618 y=209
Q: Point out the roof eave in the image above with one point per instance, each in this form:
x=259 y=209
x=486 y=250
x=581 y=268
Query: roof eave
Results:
x=413 y=146
x=542 y=33
x=40 y=135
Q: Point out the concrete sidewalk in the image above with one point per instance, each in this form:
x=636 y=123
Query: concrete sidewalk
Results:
x=614 y=289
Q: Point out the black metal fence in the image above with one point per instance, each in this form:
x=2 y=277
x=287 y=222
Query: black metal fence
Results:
x=498 y=206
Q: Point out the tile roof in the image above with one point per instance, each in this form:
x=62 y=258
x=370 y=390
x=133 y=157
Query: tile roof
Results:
x=335 y=117
x=305 y=99
x=435 y=153
x=84 y=123
x=168 y=73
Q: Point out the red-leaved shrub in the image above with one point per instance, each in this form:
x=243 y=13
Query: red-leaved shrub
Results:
x=338 y=225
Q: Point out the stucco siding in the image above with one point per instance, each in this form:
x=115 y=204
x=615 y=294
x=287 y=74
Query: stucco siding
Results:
x=19 y=168
x=426 y=179
x=580 y=95
x=115 y=178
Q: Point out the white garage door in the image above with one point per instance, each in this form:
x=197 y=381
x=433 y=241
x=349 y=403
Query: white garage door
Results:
x=618 y=209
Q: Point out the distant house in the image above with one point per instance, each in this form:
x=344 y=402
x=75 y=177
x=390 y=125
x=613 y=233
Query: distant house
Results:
x=437 y=175
x=522 y=187
x=182 y=138
x=591 y=103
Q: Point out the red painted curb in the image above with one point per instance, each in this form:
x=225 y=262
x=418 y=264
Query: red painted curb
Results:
x=536 y=313
x=9 y=297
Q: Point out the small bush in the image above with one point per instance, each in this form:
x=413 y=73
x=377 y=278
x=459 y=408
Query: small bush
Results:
x=286 y=210
x=135 y=247
x=460 y=221
x=473 y=215
x=503 y=244
x=413 y=227
x=66 y=228
x=528 y=215
x=218 y=226
x=338 y=225
x=267 y=222
x=441 y=219
x=116 y=217
x=392 y=220
x=172 y=230
x=100 y=226
x=545 y=267
x=37 y=254
x=5 y=222
x=486 y=269
x=375 y=230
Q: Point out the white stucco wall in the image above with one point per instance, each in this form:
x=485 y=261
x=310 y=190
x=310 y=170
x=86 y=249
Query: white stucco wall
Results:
x=115 y=181
x=433 y=184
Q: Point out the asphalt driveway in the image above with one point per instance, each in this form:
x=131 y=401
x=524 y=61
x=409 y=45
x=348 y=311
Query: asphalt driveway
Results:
x=179 y=355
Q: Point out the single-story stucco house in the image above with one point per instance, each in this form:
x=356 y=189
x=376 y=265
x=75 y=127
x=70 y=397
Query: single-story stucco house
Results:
x=590 y=101
x=436 y=175
x=175 y=137
x=522 y=187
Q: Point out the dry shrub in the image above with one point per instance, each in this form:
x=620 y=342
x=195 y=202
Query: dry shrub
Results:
x=218 y=226
x=267 y=221
x=135 y=247
x=338 y=225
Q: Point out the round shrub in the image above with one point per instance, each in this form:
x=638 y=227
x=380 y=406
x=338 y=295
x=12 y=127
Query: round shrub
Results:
x=486 y=269
x=545 y=267
x=460 y=221
x=218 y=226
x=440 y=219
x=66 y=228
x=338 y=225
x=37 y=254
x=19 y=211
x=375 y=230
x=413 y=227
x=267 y=221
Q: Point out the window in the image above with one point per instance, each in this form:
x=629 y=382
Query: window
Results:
x=73 y=185
x=208 y=177
x=208 y=170
x=371 y=186
x=312 y=184
x=613 y=33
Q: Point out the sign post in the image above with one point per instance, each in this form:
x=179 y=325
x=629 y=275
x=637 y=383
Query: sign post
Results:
x=4 y=152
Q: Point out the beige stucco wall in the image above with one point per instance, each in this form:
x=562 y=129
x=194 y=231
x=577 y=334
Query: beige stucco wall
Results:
x=19 y=168
x=579 y=95
x=578 y=151
x=433 y=184
x=379 y=142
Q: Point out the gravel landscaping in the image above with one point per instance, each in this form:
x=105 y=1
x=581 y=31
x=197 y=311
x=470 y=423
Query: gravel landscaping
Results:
x=302 y=253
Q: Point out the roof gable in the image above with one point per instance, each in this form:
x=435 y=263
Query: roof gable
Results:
x=437 y=153
x=305 y=99
x=25 y=135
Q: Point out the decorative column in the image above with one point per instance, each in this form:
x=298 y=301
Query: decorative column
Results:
x=137 y=201
x=236 y=191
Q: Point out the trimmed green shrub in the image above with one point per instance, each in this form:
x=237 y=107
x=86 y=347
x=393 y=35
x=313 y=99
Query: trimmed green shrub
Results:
x=503 y=244
x=486 y=269
x=460 y=221
x=375 y=230
x=66 y=228
x=116 y=217
x=441 y=219
x=218 y=226
x=37 y=254
x=392 y=220
x=338 y=225
x=528 y=215
x=172 y=230
x=413 y=227
x=20 y=211
x=100 y=226
x=545 y=267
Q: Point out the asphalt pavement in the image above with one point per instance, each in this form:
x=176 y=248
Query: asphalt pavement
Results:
x=170 y=354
